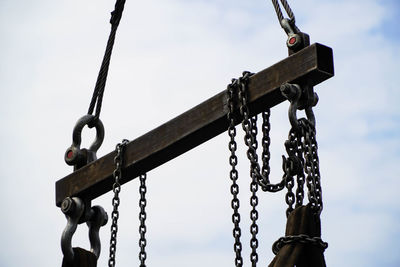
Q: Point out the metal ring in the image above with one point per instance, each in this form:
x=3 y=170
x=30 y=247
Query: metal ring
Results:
x=91 y=121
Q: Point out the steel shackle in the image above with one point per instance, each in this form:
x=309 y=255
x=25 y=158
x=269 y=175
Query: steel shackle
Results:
x=77 y=157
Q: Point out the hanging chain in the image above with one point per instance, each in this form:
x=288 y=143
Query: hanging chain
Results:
x=249 y=126
x=118 y=161
x=313 y=178
x=266 y=142
x=302 y=162
x=142 y=218
x=299 y=145
x=304 y=146
x=234 y=175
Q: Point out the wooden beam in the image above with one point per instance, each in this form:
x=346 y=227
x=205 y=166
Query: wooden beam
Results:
x=197 y=125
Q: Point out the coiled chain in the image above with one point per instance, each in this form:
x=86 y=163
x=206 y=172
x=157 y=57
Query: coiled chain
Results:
x=302 y=239
x=118 y=161
x=142 y=218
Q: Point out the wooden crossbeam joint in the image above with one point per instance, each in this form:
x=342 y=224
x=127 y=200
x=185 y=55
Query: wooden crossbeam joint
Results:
x=197 y=125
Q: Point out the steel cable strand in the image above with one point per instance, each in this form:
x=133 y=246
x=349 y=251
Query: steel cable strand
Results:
x=287 y=8
x=98 y=92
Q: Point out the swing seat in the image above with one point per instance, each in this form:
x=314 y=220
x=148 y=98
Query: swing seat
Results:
x=301 y=221
x=82 y=258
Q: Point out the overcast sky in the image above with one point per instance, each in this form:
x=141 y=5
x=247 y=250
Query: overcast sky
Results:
x=169 y=56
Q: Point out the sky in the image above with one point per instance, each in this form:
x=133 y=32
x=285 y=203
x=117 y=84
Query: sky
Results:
x=169 y=56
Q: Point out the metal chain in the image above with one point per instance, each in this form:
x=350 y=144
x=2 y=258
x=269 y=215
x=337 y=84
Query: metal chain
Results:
x=118 y=161
x=302 y=239
x=249 y=125
x=292 y=167
x=251 y=142
x=302 y=162
x=234 y=175
x=312 y=166
x=300 y=175
x=142 y=218
x=266 y=142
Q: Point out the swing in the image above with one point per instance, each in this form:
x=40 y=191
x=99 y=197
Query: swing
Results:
x=302 y=244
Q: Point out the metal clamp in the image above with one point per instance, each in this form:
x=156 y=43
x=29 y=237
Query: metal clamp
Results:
x=300 y=99
x=77 y=157
x=73 y=208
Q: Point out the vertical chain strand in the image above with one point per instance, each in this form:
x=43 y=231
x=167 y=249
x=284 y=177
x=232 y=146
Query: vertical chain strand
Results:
x=312 y=167
x=266 y=142
x=118 y=161
x=142 y=218
x=249 y=125
x=235 y=204
x=299 y=145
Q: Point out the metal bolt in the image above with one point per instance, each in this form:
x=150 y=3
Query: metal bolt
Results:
x=290 y=91
x=68 y=205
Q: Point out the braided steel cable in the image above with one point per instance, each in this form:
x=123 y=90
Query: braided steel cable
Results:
x=287 y=8
x=98 y=92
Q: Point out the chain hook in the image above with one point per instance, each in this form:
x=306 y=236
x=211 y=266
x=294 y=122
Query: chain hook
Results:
x=73 y=208
x=80 y=157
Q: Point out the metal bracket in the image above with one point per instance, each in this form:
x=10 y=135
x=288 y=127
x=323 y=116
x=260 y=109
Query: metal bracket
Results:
x=73 y=208
x=78 y=157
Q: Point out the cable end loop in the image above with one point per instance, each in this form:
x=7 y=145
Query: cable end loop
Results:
x=117 y=13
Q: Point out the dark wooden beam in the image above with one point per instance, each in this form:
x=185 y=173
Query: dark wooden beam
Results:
x=197 y=125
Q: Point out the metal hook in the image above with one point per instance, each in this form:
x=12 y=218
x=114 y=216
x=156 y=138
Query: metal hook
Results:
x=73 y=208
x=80 y=157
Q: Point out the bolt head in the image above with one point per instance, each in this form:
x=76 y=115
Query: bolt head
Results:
x=292 y=40
x=67 y=205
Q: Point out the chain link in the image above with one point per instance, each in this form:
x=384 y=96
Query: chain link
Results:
x=249 y=125
x=302 y=239
x=251 y=142
x=118 y=161
x=313 y=178
x=234 y=175
x=142 y=218
x=266 y=142
x=300 y=175
x=302 y=162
